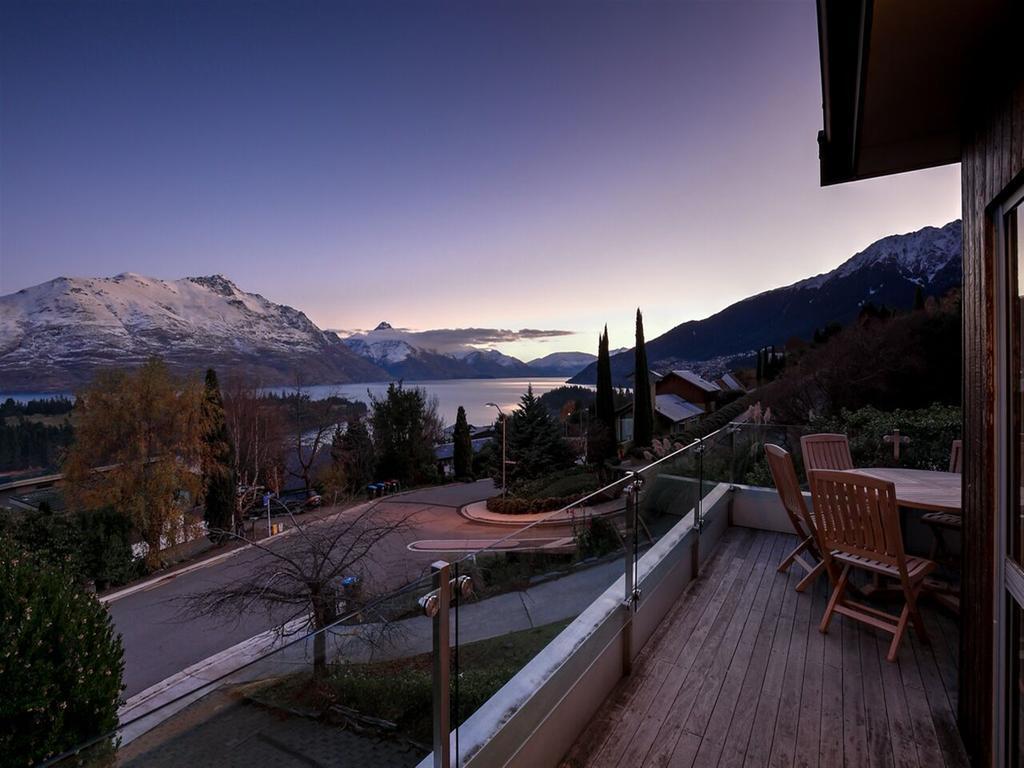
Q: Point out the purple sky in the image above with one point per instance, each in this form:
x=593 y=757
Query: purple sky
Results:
x=545 y=165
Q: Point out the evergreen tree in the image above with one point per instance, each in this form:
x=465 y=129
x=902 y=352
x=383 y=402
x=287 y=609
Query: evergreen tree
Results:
x=918 y=298
x=535 y=443
x=219 y=469
x=463 y=449
x=643 y=408
x=352 y=453
x=62 y=663
x=601 y=442
x=405 y=429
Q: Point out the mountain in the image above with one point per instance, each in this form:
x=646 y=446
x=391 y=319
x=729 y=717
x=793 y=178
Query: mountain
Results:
x=55 y=335
x=402 y=360
x=392 y=350
x=889 y=272
x=561 y=363
x=493 y=364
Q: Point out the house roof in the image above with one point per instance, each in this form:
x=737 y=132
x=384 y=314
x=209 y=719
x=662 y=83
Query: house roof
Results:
x=697 y=381
x=447 y=450
x=728 y=381
x=676 y=409
x=897 y=79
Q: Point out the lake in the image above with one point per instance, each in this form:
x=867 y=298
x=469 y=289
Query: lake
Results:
x=472 y=394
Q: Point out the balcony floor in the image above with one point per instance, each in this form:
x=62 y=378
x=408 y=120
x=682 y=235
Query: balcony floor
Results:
x=738 y=674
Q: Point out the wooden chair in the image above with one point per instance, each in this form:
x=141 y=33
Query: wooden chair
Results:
x=826 y=451
x=956 y=457
x=945 y=521
x=784 y=474
x=859 y=527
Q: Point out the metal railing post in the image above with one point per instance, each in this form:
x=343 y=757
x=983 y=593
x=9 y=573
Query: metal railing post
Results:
x=632 y=593
x=442 y=660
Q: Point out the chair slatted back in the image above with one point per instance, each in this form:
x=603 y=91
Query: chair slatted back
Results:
x=780 y=463
x=826 y=451
x=956 y=457
x=858 y=515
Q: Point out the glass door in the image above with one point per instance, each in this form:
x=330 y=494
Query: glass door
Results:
x=1010 y=435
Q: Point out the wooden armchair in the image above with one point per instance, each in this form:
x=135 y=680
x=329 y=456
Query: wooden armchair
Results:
x=859 y=527
x=826 y=451
x=783 y=473
x=956 y=457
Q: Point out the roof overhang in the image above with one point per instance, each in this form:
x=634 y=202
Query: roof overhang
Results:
x=897 y=79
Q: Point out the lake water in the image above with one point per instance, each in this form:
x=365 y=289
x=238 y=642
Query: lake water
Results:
x=472 y=394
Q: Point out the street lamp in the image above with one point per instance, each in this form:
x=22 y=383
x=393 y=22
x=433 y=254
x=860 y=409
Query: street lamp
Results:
x=503 y=460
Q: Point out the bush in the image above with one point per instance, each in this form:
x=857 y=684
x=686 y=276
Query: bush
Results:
x=931 y=431
x=60 y=661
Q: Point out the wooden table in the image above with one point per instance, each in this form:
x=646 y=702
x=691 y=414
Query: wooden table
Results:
x=921 y=488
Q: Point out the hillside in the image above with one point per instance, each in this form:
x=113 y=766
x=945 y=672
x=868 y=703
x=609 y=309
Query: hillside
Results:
x=889 y=272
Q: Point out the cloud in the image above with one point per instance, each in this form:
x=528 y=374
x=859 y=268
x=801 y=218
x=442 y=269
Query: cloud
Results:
x=454 y=339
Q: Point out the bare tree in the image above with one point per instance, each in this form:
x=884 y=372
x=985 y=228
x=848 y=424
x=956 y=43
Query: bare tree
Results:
x=311 y=426
x=257 y=438
x=302 y=575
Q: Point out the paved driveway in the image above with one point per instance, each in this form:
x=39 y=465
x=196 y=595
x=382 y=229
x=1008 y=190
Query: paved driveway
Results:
x=160 y=641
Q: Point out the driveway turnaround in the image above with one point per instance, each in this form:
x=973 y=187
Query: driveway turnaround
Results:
x=161 y=639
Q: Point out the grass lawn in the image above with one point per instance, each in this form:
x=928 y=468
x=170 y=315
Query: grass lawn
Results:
x=400 y=690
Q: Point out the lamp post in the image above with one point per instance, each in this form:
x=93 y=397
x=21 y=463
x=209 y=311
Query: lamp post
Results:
x=503 y=460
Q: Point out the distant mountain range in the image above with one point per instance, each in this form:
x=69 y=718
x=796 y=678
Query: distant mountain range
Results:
x=392 y=350
x=54 y=336
x=888 y=272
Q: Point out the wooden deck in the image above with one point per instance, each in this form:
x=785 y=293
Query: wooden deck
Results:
x=739 y=675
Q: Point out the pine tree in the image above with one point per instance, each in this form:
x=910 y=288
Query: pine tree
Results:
x=463 y=449
x=601 y=442
x=219 y=472
x=643 y=408
x=535 y=443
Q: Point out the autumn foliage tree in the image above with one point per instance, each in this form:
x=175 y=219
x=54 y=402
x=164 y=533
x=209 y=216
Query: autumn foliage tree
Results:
x=139 y=448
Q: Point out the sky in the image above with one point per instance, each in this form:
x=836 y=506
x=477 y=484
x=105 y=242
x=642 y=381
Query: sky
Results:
x=548 y=166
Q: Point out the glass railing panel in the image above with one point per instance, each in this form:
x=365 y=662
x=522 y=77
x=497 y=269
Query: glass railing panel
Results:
x=527 y=585
x=352 y=694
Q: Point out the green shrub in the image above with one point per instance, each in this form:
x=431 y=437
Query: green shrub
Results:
x=931 y=431
x=60 y=661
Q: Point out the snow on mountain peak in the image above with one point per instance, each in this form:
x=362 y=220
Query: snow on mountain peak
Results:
x=384 y=325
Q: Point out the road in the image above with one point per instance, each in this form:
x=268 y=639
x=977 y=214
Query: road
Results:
x=160 y=639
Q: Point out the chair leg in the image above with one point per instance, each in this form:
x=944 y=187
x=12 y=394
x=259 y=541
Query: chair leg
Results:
x=915 y=616
x=897 y=637
x=811 y=576
x=793 y=556
x=837 y=595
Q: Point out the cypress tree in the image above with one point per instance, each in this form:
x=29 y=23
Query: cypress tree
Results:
x=219 y=471
x=918 y=298
x=601 y=442
x=463 y=449
x=643 y=408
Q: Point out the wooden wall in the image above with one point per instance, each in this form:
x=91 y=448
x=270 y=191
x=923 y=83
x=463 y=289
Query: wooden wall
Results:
x=992 y=163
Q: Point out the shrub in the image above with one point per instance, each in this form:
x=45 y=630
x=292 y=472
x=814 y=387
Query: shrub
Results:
x=931 y=431
x=60 y=661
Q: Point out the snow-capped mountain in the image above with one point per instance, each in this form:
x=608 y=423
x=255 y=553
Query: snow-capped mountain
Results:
x=57 y=334
x=888 y=272
x=562 y=363
x=492 y=363
x=390 y=349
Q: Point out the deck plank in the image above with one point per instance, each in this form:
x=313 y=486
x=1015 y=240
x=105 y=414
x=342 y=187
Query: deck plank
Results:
x=738 y=674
